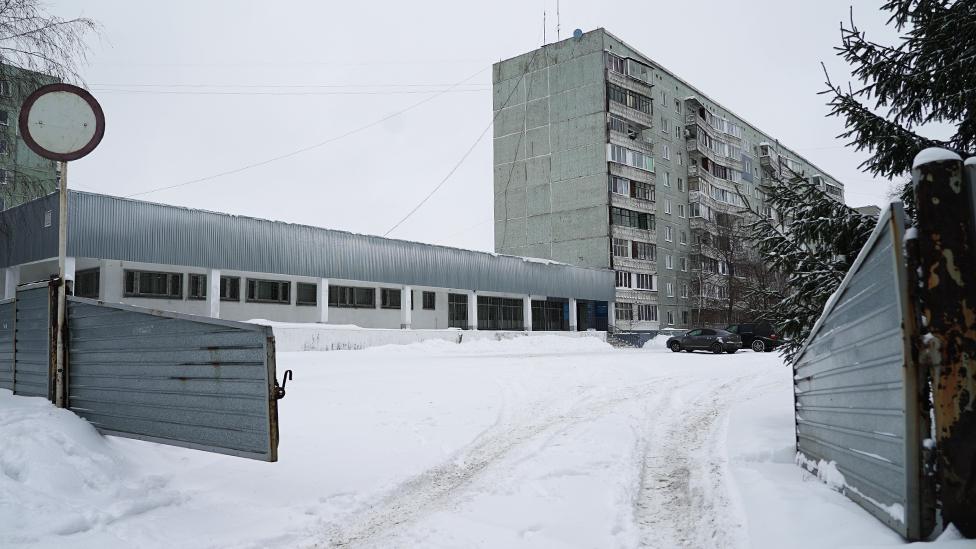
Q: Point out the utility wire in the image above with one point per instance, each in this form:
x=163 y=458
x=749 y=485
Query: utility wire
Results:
x=356 y=92
x=304 y=149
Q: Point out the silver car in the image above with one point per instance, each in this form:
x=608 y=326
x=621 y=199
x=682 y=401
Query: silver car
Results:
x=706 y=339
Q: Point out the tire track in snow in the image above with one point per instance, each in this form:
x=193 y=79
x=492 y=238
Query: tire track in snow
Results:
x=436 y=487
x=683 y=493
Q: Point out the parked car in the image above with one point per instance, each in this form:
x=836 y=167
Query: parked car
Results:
x=758 y=336
x=705 y=339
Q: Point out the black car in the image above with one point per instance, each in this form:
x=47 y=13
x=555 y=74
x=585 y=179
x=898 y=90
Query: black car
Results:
x=705 y=339
x=758 y=336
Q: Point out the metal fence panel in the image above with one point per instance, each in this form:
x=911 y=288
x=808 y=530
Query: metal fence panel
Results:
x=172 y=378
x=32 y=342
x=855 y=388
x=7 y=344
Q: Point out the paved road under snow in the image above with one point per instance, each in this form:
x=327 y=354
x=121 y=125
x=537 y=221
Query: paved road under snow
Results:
x=542 y=442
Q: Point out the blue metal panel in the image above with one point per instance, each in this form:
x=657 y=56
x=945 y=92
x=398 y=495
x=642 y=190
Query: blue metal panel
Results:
x=172 y=378
x=7 y=344
x=854 y=384
x=32 y=346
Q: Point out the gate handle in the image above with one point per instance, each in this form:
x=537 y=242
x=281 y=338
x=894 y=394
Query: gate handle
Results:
x=280 y=389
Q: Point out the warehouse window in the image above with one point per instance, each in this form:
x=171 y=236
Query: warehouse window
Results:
x=457 y=311
x=87 y=283
x=196 y=286
x=352 y=298
x=230 y=288
x=430 y=301
x=389 y=298
x=268 y=291
x=306 y=293
x=153 y=284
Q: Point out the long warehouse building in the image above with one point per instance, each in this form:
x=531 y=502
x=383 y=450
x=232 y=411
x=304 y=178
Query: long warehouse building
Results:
x=241 y=268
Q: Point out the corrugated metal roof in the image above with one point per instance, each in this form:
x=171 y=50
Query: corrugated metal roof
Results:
x=109 y=227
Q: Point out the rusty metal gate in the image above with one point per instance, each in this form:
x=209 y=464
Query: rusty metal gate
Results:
x=33 y=341
x=856 y=387
x=173 y=378
x=7 y=344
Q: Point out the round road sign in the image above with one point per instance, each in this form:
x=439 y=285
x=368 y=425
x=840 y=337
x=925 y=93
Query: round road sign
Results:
x=61 y=122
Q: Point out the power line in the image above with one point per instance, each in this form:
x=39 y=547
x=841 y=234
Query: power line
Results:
x=331 y=85
x=291 y=93
x=304 y=149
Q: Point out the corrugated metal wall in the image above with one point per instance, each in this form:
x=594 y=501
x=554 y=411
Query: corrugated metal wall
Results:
x=23 y=236
x=115 y=228
x=7 y=344
x=174 y=379
x=855 y=388
x=32 y=359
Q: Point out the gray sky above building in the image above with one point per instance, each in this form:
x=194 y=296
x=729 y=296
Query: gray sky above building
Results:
x=194 y=89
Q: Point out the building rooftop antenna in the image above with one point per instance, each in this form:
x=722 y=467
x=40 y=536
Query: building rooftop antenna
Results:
x=557 y=20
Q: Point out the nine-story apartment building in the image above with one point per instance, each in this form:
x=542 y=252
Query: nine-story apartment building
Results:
x=602 y=158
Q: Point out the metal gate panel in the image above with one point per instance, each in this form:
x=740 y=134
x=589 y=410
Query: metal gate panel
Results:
x=7 y=344
x=173 y=378
x=855 y=384
x=32 y=342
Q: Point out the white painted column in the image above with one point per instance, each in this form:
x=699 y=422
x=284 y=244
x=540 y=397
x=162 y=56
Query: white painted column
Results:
x=11 y=277
x=69 y=269
x=406 y=307
x=472 y=311
x=611 y=315
x=527 y=313
x=213 y=293
x=322 y=301
x=573 y=315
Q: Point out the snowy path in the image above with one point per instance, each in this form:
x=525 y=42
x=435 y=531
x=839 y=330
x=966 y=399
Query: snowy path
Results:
x=521 y=444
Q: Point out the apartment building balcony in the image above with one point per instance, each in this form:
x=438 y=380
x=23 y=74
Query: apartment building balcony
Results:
x=630 y=203
x=635 y=265
x=637 y=296
x=629 y=172
x=633 y=233
x=631 y=83
x=637 y=144
x=635 y=115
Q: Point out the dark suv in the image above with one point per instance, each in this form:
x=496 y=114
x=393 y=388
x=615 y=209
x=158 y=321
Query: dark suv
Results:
x=705 y=339
x=758 y=336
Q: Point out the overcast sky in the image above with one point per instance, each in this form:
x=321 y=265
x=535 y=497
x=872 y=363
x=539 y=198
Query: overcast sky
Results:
x=192 y=89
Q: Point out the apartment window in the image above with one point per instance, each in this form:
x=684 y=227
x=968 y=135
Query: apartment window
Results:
x=665 y=151
x=646 y=282
x=629 y=218
x=196 y=287
x=389 y=298
x=4 y=117
x=623 y=279
x=667 y=179
x=684 y=317
x=621 y=247
x=430 y=301
x=667 y=206
x=681 y=184
x=619 y=185
x=642 y=191
x=629 y=98
x=349 y=297
x=684 y=237
x=668 y=233
x=153 y=284
x=268 y=291
x=644 y=251
x=230 y=288
x=665 y=125
x=457 y=311
x=681 y=159
x=670 y=286
x=616 y=63
x=670 y=318
x=617 y=124
x=683 y=264
x=669 y=261
x=664 y=98
x=623 y=311
x=647 y=313
x=681 y=210
x=636 y=159
x=306 y=293
x=677 y=105
x=87 y=283
x=684 y=292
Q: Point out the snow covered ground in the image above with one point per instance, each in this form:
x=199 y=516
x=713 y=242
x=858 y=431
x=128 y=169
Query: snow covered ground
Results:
x=533 y=442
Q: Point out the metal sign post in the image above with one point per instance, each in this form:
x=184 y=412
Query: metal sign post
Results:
x=61 y=122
